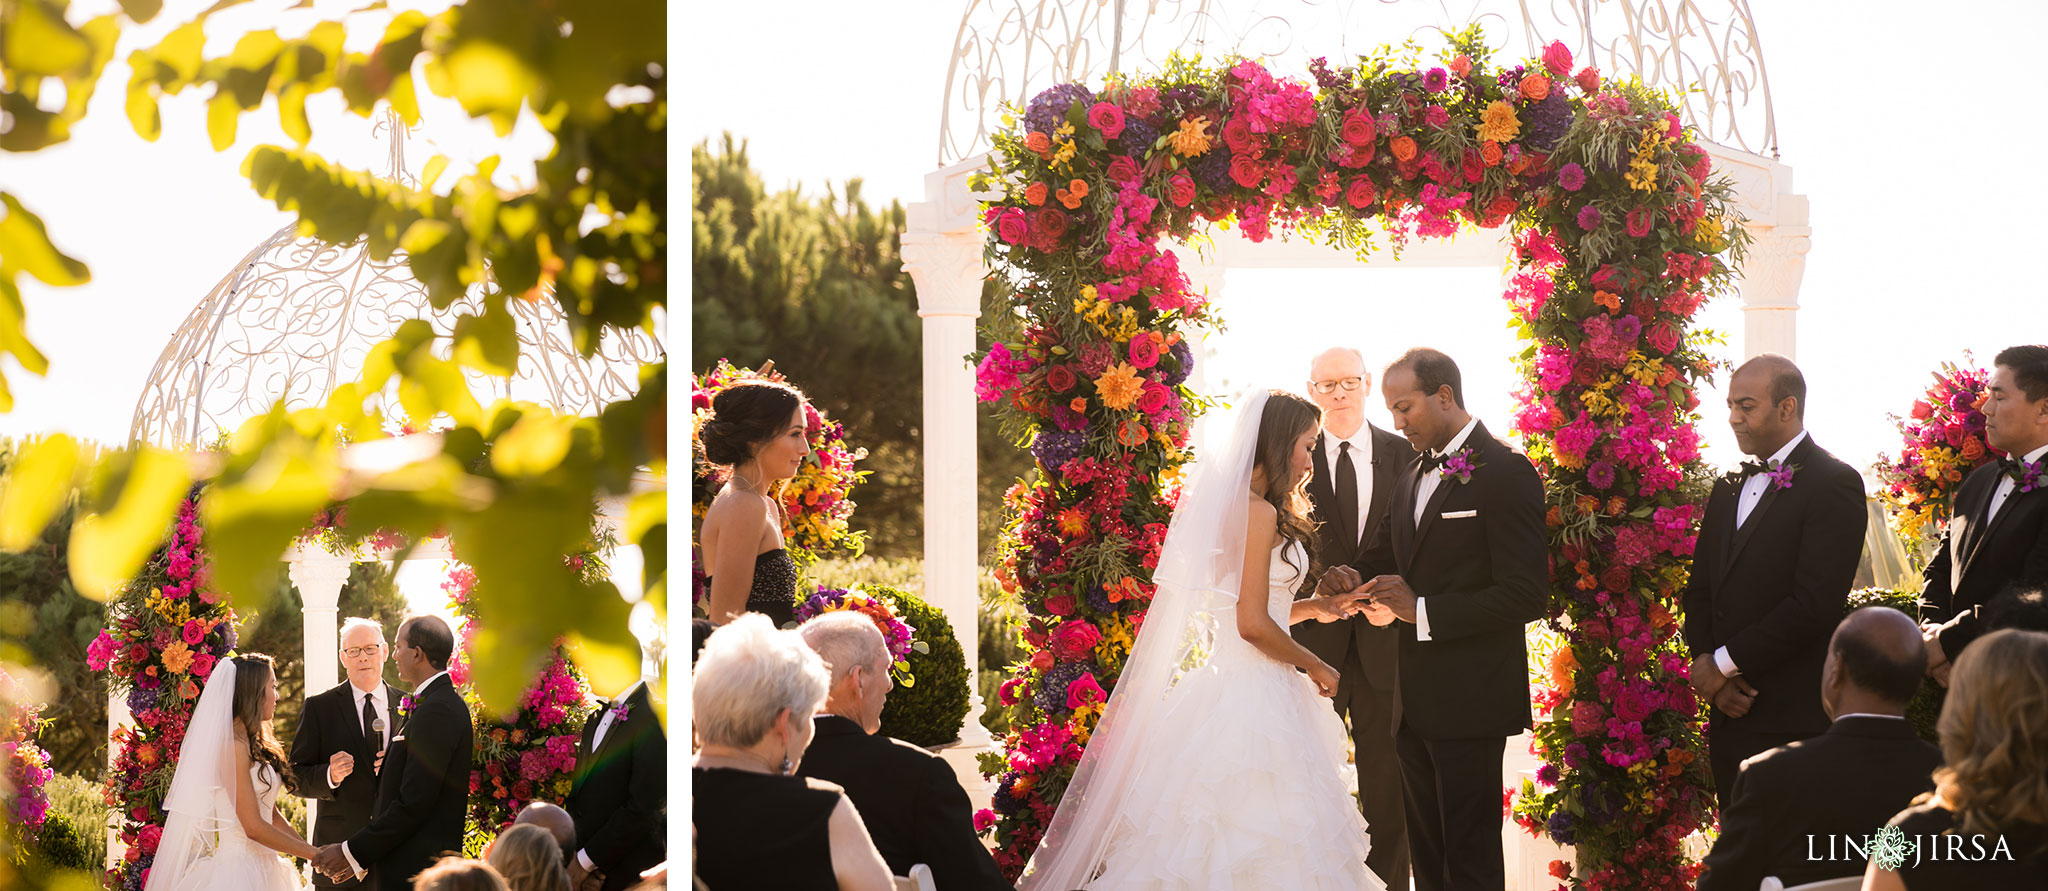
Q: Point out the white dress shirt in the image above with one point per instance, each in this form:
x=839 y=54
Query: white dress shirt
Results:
x=345 y=852
x=1424 y=490
x=2006 y=485
x=379 y=706
x=1361 y=465
x=604 y=725
x=1752 y=494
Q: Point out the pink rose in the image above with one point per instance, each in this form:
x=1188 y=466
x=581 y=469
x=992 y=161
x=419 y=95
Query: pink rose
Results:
x=1010 y=226
x=1639 y=221
x=1108 y=118
x=1154 y=398
x=1632 y=705
x=1075 y=639
x=202 y=666
x=1358 y=128
x=1245 y=171
x=1042 y=660
x=1181 y=190
x=1084 y=690
x=194 y=632
x=1060 y=605
x=1361 y=193
x=1006 y=693
x=1589 y=80
x=1237 y=134
x=1144 y=351
x=984 y=820
x=1587 y=718
x=1663 y=337
x=1557 y=58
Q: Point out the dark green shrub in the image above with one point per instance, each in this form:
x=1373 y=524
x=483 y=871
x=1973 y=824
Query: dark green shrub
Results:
x=927 y=712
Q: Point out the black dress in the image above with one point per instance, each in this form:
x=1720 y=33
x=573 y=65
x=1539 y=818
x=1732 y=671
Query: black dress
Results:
x=774 y=591
x=757 y=830
x=1950 y=858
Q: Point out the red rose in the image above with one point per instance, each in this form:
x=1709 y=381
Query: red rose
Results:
x=1042 y=660
x=137 y=654
x=1154 y=398
x=1474 y=169
x=1060 y=378
x=1060 y=605
x=1124 y=169
x=1500 y=206
x=1663 y=337
x=1245 y=171
x=1358 y=128
x=1108 y=118
x=1361 y=193
x=1050 y=220
x=1181 y=190
x=1589 y=80
x=1558 y=58
x=1237 y=134
x=1011 y=227
x=1615 y=578
x=1075 y=639
x=1084 y=690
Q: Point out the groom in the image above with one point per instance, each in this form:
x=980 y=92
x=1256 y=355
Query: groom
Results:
x=424 y=788
x=1468 y=540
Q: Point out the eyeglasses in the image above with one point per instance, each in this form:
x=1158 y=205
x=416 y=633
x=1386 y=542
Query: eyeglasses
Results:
x=353 y=652
x=1349 y=384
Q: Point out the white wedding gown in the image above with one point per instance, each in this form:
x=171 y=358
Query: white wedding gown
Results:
x=237 y=862
x=1245 y=789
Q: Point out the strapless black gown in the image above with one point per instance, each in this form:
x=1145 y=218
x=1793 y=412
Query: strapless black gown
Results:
x=774 y=591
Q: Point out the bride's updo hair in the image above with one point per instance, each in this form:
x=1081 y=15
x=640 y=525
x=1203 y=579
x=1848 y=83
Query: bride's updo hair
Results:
x=1286 y=418
x=253 y=672
x=745 y=415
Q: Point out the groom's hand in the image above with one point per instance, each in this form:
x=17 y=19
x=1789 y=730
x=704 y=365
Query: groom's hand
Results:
x=1339 y=580
x=1391 y=592
x=1706 y=676
x=332 y=863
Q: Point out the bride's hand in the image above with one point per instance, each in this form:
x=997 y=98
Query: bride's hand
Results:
x=1325 y=678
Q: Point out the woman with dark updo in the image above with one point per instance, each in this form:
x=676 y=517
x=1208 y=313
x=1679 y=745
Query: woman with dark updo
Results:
x=757 y=430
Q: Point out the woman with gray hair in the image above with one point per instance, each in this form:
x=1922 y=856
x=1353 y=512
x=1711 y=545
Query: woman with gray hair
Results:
x=758 y=825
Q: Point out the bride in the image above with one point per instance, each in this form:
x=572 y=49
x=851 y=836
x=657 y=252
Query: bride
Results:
x=1215 y=764
x=224 y=830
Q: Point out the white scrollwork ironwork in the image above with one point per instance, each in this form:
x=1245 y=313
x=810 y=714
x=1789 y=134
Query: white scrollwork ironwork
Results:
x=296 y=317
x=1006 y=50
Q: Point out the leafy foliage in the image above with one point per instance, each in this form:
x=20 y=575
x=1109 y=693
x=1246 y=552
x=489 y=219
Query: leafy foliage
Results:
x=927 y=713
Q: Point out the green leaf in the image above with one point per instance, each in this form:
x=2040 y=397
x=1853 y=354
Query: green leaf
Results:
x=25 y=247
x=488 y=342
x=108 y=546
x=142 y=10
x=35 y=489
x=38 y=42
x=221 y=114
x=435 y=166
x=182 y=51
x=251 y=519
x=647 y=526
x=291 y=113
x=142 y=110
x=535 y=445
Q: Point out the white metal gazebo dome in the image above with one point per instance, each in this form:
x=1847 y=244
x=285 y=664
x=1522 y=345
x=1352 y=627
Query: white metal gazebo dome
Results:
x=295 y=318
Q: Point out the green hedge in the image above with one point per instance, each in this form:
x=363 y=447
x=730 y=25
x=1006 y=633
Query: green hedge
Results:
x=1925 y=708
x=929 y=711
x=81 y=802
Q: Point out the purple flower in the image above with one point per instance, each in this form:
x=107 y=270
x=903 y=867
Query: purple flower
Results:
x=1213 y=168
x=1051 y=695
x=1137 y=137
x=1547 y=775
x=1184 y=359
x=1436 y=80
x=1571 y=177
x=1098 y=599
x=1055 y=448
x=1545 y=122
x=1601 y=475
x=1589 y=218
x=1048 y=109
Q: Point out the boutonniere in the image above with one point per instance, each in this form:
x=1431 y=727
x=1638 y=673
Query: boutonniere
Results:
x=405 y=704
x=1459 y=465
x=620 y=711
x=2025 y=475
x=1781 y=474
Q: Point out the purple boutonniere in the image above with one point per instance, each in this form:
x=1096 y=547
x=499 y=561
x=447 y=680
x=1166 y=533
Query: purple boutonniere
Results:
x=1781 y=474
x=2027 y=476
x=620 y=711
x=1459 y=465
x=405 y=704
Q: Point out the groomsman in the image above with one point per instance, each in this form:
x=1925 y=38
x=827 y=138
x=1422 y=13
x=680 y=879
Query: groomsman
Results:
x=1357 y=468
x=1776 y=556
x=342 y=731
x=619 y=798
x=1468 y=541
x=1998 y=535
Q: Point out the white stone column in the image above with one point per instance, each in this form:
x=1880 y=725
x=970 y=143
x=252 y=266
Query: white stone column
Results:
x=1770 y=288
x=947 y=269
x=319 y=576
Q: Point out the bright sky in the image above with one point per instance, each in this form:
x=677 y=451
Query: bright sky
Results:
x=1893 y=120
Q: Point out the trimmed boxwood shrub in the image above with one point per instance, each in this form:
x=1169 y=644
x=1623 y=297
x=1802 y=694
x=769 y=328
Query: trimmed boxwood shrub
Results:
x=927 y=712
x=1926 y=705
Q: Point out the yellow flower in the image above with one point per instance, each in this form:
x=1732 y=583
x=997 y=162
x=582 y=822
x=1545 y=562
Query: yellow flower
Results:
x=1088 y=292
x=1498 y=123
x=1074 y=522
x=1709 y=234
x=1119 y=387
x=177 y=657
x=1192 y=138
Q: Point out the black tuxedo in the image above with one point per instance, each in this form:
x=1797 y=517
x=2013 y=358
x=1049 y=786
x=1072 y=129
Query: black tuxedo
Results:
x=422 y=793
x=619 y=798
x=1478 y=562
x=1772 y=592
x=1977 y=560
x=1364 y=655
x=1789 y=802
x=330 y=723
x=910 y=800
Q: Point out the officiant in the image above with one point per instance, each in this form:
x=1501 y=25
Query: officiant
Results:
x=343 y=732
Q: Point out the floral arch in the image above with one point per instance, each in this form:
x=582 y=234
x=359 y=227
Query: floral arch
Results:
x=1620 y=231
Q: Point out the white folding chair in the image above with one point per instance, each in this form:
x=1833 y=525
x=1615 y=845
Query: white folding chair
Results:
x=1845 y=883
x=920 y=879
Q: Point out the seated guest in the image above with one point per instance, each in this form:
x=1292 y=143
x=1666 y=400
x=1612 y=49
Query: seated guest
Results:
x=2019 y=606
x=758 y=824
x=458 y=874
x=1845 y=782
x=556 y=821
x=529 y=858
x=909 y=798
x=1985 y=826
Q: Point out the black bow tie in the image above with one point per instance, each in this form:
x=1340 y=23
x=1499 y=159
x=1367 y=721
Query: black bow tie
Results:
x=1431 y=461
x=1752 y=468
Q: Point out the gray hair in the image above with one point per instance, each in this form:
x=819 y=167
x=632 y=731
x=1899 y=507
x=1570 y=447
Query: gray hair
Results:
x=353 y=622
x=1338 y=350
x=845 y=640
x=748 y=673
